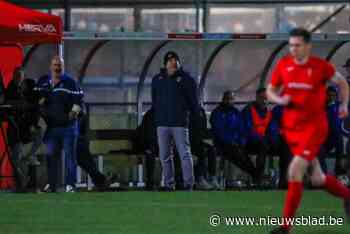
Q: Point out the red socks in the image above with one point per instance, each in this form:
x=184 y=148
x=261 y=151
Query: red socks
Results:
x=336 y=188
x=293 y=199
x=295 y=191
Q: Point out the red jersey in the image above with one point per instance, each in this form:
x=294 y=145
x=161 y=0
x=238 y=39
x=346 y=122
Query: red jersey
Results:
x=304 y=121
x=306 y=84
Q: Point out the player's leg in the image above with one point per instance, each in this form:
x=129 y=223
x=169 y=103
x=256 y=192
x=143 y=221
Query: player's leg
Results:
x=329 y=182
x=331 y=185
x=296 y=172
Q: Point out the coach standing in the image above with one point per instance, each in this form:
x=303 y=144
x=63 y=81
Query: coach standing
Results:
x=175 y=98
x=61 y=104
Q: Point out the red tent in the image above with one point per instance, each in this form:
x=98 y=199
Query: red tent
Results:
x=25 y=26
x=20 y=27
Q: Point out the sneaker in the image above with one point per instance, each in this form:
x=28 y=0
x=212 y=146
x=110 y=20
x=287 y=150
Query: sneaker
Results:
x=48 y=189
x=204 y=185
x=215 y=184
x=279 y=230
x=70 y=189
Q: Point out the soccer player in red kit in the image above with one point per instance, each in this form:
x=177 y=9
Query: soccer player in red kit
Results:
x=299 y=83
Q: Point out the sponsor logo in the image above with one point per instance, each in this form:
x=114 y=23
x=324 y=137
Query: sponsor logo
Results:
x=297 y=85
x=289 y=69
x=41 y=28
x=178 y=79
x=309 y=72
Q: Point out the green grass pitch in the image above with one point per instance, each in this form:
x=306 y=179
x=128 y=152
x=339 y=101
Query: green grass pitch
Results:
x=154 y=212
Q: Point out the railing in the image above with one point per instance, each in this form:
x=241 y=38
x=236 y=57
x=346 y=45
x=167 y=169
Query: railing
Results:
x=125 y=133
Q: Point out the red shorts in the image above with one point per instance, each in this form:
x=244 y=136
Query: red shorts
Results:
x=306 y=139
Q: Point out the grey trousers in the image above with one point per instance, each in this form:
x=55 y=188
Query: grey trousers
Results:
x=180 y=136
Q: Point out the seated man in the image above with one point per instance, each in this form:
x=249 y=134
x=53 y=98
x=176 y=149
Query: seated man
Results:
x=23 y=123
x=334 y=142
x=228 y=133
x=201 y=149
x=84 y=158
x=257 y=118
x=145 y=141
x=279 y=147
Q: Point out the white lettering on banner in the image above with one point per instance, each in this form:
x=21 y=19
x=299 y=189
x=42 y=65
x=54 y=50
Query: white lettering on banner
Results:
x=296 y=85
x=44 y=28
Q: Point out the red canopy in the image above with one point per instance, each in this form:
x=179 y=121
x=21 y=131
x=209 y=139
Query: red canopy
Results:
x=8 y=63
x=25 y=26
x=20 y=27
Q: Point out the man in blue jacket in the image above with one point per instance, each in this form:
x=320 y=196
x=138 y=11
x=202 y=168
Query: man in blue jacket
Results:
x=228 y=133
x=61 y=100
x=174 y=98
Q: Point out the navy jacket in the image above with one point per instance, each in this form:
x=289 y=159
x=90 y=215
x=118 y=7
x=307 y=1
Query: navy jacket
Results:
x=174 y=98
x=334 y=139
x=59 y=100
x=227 y=125
x=198 y=128
x=146 y=134
x=26 y=112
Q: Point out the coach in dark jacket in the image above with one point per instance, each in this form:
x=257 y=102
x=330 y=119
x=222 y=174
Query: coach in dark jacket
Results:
x=174 y=98
x=61 y=100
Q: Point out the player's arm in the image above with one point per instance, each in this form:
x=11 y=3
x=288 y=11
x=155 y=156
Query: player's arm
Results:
x=341 y=82
x=273 y=96
x=274 y=87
